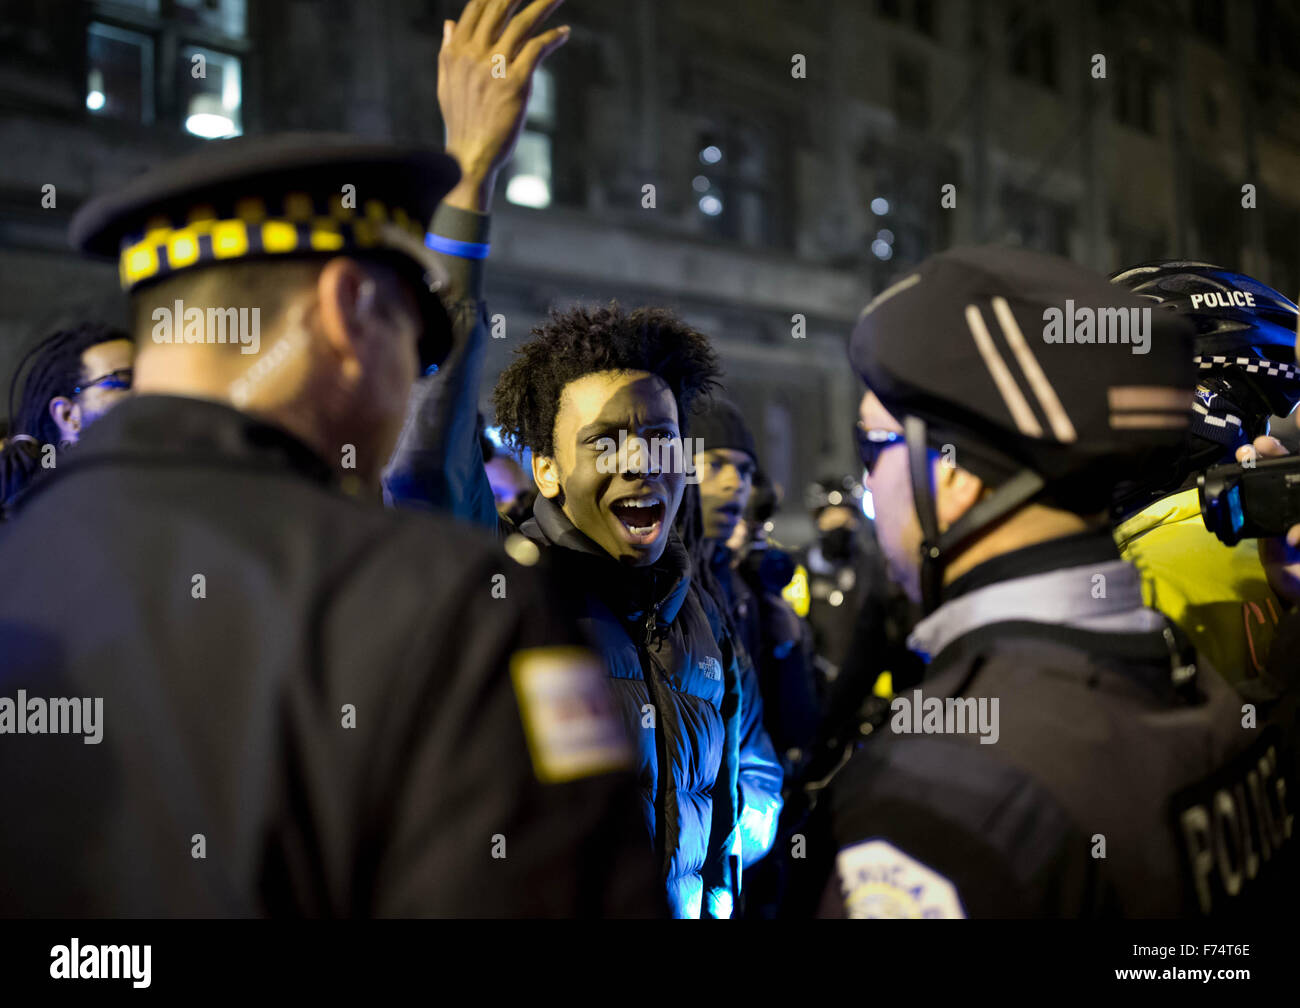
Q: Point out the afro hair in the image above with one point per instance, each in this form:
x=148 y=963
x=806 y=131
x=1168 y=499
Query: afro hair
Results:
x=583 y=341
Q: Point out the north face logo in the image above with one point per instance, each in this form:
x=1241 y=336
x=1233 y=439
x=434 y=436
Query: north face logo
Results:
x=711 y=667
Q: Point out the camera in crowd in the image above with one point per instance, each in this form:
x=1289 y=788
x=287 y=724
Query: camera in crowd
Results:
x=1254 y=500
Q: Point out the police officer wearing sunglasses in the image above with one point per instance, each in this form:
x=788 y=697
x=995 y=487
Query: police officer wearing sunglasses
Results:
x=1068 y=753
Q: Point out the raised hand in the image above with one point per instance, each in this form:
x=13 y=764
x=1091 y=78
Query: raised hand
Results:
x=485 y=74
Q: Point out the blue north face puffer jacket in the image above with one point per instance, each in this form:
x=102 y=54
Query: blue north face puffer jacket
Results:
x=689 y=704
x=678 y=672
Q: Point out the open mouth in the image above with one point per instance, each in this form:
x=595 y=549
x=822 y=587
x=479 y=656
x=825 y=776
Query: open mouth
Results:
x=642 y=517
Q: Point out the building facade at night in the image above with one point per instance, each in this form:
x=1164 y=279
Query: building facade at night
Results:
x=799 y=153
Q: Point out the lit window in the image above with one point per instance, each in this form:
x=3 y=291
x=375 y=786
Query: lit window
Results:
x=197 y=89
x=736 y=192
x=211 y=93
x=528 y=177
x=119 y=73
x=541 y=101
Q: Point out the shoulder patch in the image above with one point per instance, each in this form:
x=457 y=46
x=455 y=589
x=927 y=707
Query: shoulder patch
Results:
x=570 y=722
x=879 y=881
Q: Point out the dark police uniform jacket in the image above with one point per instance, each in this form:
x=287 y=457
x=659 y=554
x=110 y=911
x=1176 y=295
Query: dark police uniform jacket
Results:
x=1120 y=782
x=310 y=704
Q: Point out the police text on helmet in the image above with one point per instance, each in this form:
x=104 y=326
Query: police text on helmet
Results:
x=1224 y=299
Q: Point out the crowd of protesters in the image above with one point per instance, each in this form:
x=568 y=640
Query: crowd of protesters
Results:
x=356 y=657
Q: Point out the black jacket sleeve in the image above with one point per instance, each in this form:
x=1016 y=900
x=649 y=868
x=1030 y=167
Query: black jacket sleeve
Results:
x=514 y=795
x=438 y=464
x=933 y=828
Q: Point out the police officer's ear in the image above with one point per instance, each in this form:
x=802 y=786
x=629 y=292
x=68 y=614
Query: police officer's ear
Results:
x=67 y=417
x=348 y=295
x=546 y=474
x=956 y=492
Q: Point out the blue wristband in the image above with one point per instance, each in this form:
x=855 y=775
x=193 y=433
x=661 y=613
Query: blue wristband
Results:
x=461 y=249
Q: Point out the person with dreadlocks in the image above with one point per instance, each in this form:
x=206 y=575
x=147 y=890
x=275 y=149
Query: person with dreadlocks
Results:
x=20 y=463
x=591 y=382
x=69 y=380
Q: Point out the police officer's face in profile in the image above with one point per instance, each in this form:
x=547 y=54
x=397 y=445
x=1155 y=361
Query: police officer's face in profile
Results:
x=890 y=484
x=371 y=323
x=897 y=527
x=624 y=500
x=726 y=482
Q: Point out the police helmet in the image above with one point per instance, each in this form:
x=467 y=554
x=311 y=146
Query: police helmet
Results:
x=1243 y=343
x=1049 y=384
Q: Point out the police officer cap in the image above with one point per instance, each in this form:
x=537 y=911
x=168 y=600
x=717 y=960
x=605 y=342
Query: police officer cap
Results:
x=288 y=196
x=1023 y=360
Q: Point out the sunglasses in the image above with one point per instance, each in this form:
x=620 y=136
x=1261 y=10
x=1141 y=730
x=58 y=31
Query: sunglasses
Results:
x=119 y=379
x=871 y=443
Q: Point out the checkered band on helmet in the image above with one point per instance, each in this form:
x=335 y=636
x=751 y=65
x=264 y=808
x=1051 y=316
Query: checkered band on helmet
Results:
x=1244 y=329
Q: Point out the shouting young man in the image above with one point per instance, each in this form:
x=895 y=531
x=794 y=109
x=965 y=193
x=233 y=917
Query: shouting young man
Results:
x=598 y=396
x=589 y=383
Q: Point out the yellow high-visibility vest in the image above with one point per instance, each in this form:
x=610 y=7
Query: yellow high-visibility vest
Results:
x=1217 y=594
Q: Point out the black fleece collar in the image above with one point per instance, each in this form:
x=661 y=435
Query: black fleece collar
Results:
x=664 y=584
x=174 y=430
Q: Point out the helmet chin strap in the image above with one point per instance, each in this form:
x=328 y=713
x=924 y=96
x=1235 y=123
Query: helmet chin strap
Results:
x=938 y=548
